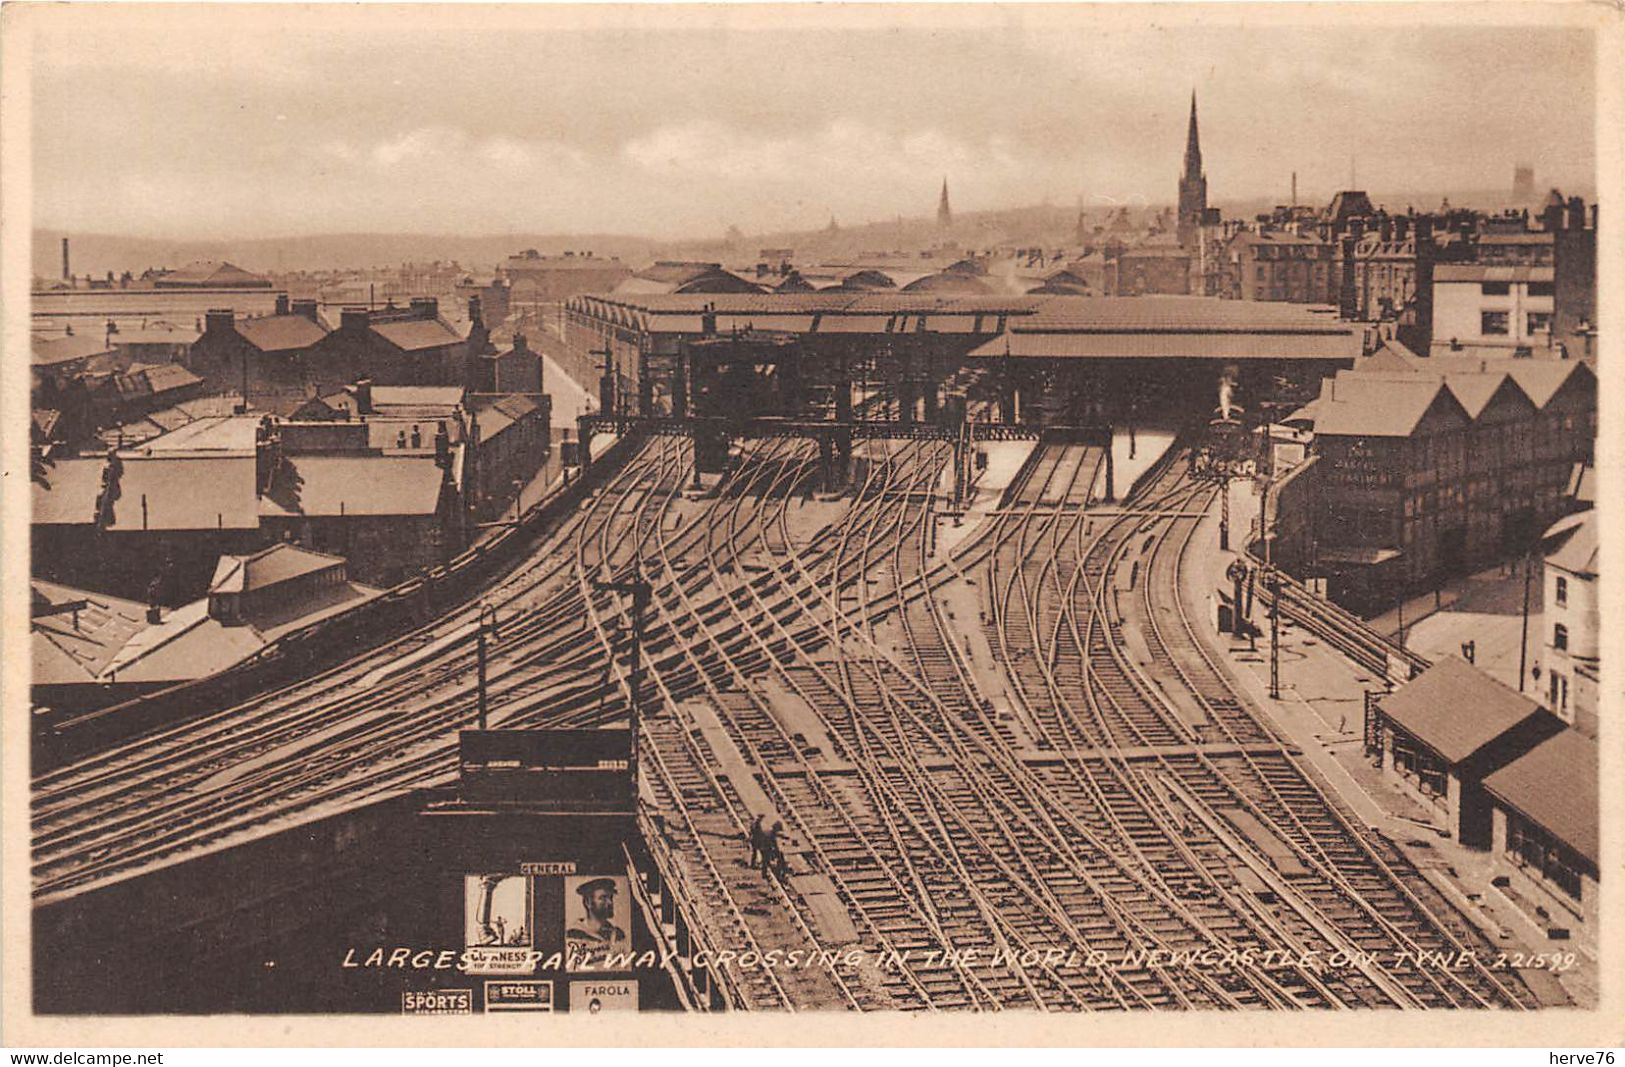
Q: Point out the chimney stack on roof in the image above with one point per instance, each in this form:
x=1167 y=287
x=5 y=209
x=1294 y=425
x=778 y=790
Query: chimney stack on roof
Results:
x=282 y=303
x=1577 y=213
x=442 y=446
x=355 y=319
x=305 y=309
x=1347 y=299
x=218 y=320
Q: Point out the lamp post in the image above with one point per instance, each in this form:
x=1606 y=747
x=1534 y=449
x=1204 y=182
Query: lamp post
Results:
x=486 y=612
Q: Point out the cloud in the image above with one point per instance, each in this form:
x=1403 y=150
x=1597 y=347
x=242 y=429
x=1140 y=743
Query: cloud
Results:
x=476 y=126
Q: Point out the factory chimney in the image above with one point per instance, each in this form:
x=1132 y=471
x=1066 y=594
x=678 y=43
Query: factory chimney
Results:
x=67 y=274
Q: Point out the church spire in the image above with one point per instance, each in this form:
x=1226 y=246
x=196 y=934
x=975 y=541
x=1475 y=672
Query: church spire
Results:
x=1193 y=146
x=1192 y=186
x=945 y=217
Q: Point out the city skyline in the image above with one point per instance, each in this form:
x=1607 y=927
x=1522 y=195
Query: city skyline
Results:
x=222 y=132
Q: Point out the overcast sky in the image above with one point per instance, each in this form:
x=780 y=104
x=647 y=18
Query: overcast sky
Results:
x=320 y=121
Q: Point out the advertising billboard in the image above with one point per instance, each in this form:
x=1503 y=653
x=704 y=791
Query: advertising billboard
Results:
x=619 y=994
x=497 y=932
x=518 y=995
x=596 y=921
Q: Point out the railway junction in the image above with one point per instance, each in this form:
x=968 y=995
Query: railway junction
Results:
x=967 y=661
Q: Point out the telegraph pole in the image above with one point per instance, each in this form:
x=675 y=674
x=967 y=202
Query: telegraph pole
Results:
x=486 y=611
x=1275 y=635
x=1523 y=640
x=641 y=592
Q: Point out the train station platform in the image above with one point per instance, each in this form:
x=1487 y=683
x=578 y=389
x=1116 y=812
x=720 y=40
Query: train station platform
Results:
x=1134 y=453
x=1321 y=713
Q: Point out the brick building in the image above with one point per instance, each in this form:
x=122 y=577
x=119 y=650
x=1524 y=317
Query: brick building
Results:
x=1430 y=470
x=1515 y=248
x=1275 y=265
x=148 y=522
x=271 y=359
x=1445 y=730
x=1393 y=462
x=510 y=368
x=1545 y=810
x=1574 y=277
x=1386 y=268
x=1165 y=269
x=508 y=443
x=1564 y=393
x=399 y=346
x=70 y=499
x=493 y=294
x=388 y=515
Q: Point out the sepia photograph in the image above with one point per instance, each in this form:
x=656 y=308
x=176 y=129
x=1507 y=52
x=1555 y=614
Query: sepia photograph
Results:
x=719 y=511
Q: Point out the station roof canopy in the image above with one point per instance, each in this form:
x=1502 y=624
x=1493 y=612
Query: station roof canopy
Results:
x=1456 y=710
x=1105 y=327
x=1529 y=785
x=1100 y=344
x=1032 y=325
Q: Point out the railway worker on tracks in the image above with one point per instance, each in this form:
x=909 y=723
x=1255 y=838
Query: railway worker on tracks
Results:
x=770 y=848
x=758 y=836
x=773 y=852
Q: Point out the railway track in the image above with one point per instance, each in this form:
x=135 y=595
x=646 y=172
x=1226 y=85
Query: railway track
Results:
x=935 y=835
x=1151 y=686
x=1014 y=767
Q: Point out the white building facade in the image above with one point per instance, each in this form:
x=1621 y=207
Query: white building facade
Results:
x=1570 y=621
x=1494 y=306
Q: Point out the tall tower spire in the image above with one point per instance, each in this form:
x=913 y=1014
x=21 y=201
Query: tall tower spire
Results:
x=1193 y=145
x=1192 y=186
x=945 y=216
